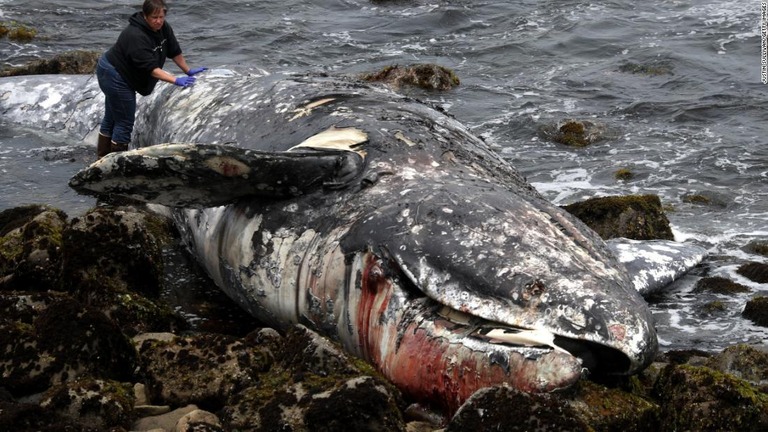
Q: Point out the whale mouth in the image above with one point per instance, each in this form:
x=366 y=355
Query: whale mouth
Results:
x=597 y=358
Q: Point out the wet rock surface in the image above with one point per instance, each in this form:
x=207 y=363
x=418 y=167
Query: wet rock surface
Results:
x=638 y=217
x=88 y=344
x=70 y=62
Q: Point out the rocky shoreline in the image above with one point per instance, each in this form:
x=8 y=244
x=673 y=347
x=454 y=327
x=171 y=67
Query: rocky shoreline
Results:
x=91 y=341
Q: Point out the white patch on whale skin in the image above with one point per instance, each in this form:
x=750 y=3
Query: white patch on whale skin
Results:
x=335 y=138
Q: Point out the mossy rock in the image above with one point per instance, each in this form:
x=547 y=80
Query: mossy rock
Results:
x=759 y=247
x=754 y=271
x=638 y=217
x=700 y=398
x=708 y=199
x=113 y=260
x=93 y=403
x=70 y=62
x=742 y=361
x=17 y=32
x=31 y=248
x=756 y=310
x=66 y=340
x=324 y=387
x=201 y=369
x=720 y=285
x=611 y=409
x=624 y=174
x=504 y=408
x=713 y=308
x=575 y=133
x=424 y=76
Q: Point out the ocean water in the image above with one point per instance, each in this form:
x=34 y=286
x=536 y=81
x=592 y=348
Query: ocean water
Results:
x=676 y=85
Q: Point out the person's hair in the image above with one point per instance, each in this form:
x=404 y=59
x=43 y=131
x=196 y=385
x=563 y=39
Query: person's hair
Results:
x=151 y=6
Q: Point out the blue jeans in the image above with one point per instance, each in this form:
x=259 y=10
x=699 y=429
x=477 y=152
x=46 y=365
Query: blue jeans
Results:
x=119 y=101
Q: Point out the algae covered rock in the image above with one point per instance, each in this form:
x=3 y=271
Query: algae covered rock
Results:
x=70 y=62
x=575 y=133
x=638 y=217
x=507 y=409
x=113 y=260
x=315 y=386
x=719 y=285
x=700 y=398
x=754 y=271
x=201 y=369
x=31 y=247
x=97 y=404
x=742 y=361
x=759 y=247
x=424 y=76
x=611 y=409
x=67 y=340
x=756 y=310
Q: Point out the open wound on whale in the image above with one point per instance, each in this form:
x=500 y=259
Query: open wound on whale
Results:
x=333 y=138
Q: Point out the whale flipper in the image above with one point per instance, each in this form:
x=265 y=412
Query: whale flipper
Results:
x=654 y=264
x=204 y=175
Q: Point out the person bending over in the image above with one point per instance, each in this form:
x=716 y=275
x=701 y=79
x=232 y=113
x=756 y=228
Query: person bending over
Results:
x=135 y=64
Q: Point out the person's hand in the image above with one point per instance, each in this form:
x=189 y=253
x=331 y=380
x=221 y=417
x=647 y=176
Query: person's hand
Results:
x=186 y=81
x=196 y=71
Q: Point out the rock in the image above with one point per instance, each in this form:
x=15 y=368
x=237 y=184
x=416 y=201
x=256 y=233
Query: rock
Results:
x=709 y=199
x=575 y=133
x=425 y=76
x=31 y=248
x=638 y=217
x=17 y=32
x=700 y=398
x=612 y=409
x=67 y=340
x=754 y=271
x=719 y=285
x=166 y=422
x=96 y=404
x=757 y=310
x=361 y=403
x=504 y=408
x=198 y=421
x=113 y=260
x=201 y=369
x=742 y=361
x=315 y=386
x=20 y=417
x=70 y=62
x=759 y=247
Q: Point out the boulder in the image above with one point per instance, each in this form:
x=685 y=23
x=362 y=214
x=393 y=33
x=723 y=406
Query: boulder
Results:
x=638 y=217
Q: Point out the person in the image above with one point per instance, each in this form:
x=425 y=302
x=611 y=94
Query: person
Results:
x=135 y=64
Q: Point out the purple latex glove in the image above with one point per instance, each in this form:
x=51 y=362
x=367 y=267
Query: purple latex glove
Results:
x=186 y=81
x=196 y=71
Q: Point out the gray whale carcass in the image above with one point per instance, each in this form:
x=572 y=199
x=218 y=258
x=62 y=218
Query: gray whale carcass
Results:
x=384 y=224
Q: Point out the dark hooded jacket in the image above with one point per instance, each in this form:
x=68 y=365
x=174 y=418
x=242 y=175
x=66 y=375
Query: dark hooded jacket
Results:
x=139 y=50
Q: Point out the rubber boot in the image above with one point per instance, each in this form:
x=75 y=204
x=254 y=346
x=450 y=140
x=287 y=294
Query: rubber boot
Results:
x=104 y=146
x=118 y=147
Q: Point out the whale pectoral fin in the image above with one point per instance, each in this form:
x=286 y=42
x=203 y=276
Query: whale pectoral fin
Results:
x=200 y=175
x=654 y=264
